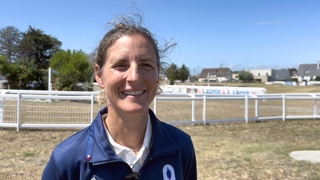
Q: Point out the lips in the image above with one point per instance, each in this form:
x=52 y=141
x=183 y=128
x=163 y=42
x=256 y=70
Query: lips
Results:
x=133 y=93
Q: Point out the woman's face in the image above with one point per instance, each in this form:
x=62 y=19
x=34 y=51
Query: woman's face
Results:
x=130 y=74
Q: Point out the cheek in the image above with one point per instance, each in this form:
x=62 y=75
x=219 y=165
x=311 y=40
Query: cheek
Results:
x=112 y=79
x=153 y=81
x=151 y=77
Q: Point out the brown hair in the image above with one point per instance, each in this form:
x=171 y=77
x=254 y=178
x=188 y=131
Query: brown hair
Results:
x=127 y=26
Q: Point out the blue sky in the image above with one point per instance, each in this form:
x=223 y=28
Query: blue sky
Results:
x=240 y=34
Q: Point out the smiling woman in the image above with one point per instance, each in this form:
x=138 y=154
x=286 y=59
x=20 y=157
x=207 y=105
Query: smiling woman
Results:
x=126 y=140
x=129 y=77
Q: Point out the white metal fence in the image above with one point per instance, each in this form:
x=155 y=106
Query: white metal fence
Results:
x=64 y=109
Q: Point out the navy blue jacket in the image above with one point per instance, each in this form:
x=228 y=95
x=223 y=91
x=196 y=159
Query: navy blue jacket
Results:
x=88 y=155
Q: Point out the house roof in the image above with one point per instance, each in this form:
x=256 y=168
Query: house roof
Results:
x=219 y=72
x=282 y=74
x=309 y=70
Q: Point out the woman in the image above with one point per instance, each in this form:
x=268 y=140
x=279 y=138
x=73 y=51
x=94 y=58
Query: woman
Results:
x=126 y=140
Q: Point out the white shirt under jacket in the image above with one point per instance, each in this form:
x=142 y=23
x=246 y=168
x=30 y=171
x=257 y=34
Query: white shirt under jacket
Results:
x=128 y=155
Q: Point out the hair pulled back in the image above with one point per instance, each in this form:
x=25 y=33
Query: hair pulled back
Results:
x=128 y=26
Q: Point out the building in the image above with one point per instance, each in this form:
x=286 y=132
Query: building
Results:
x=308 y=72
x=263 y=75
x=282 y=75
x=215 y=75
x=235 y=76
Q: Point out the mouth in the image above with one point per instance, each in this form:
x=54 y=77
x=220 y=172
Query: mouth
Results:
x=133 y=93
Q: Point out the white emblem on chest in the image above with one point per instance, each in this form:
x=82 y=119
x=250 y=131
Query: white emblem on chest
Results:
x=168 y=172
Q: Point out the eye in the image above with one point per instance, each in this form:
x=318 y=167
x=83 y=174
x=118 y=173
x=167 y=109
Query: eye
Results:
x=120 y=66
x=147 y=66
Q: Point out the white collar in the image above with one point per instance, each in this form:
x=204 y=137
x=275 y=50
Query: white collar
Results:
x=146 y=141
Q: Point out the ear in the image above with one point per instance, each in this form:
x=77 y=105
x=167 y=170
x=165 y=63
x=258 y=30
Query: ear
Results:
x=98 y=75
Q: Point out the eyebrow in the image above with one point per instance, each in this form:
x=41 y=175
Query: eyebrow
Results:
x=147 y=59
x=120 y=59
x=117 y=60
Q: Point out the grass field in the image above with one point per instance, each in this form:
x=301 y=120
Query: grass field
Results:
x=224 y=151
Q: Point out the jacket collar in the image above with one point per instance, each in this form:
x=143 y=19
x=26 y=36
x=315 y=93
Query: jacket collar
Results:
x=99 y=148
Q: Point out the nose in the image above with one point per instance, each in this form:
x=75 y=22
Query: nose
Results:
x=133 y=73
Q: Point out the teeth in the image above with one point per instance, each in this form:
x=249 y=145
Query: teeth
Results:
x=133 y=93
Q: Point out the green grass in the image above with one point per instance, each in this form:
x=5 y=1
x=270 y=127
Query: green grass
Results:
x=28 y=154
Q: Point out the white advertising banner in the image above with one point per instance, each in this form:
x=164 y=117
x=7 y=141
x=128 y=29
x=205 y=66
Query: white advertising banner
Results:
x=213 y=90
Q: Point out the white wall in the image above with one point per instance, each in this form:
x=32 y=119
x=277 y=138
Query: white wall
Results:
x=261 y=72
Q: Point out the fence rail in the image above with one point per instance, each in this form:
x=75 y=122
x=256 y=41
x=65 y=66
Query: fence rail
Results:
x=65 y=109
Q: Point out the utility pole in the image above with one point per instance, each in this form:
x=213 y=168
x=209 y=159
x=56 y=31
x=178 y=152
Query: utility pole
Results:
x=49 y=79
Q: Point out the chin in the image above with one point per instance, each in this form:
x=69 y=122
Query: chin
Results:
x=135 y=108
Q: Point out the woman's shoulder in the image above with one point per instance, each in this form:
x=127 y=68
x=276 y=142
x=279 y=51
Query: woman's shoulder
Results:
x=174 y=129
x=173 y=133
x=171 y=129
x=71 y=146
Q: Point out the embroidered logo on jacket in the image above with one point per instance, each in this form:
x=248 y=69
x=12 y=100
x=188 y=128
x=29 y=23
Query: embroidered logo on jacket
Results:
x=168 y=172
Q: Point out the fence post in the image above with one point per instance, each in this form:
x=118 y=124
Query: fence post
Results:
x=314 y=106
x=18 y=111
x=92 y=108
x=283 y=107
x=193 y=107
x=246 y=108
x=49 y=83
x=256 y=107
x=1 y=109
x=204 y=116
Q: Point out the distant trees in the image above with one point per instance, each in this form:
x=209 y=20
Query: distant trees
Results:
x=245 y=76
x=21 y=72
x=38 y=46
x=183 y=73
x=26 y=56
x=292 y=71
x=317 y=78
x=72 y=67
x=174 y=73
x=9 y=42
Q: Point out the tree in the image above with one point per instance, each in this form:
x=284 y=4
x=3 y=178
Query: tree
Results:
x=292 y=71
x=245 y=76
x=3 y=63
x=72 y=67
x=20 y=73
x=183 y=73
x=38 y=46
x=194 y=78
x=172 y=73
x=9 y=41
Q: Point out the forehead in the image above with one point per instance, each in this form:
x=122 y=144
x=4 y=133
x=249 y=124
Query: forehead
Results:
x=135 y=45
x=136 y=41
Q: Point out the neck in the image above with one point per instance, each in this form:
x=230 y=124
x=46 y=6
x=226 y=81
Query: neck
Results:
x=127 y=129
